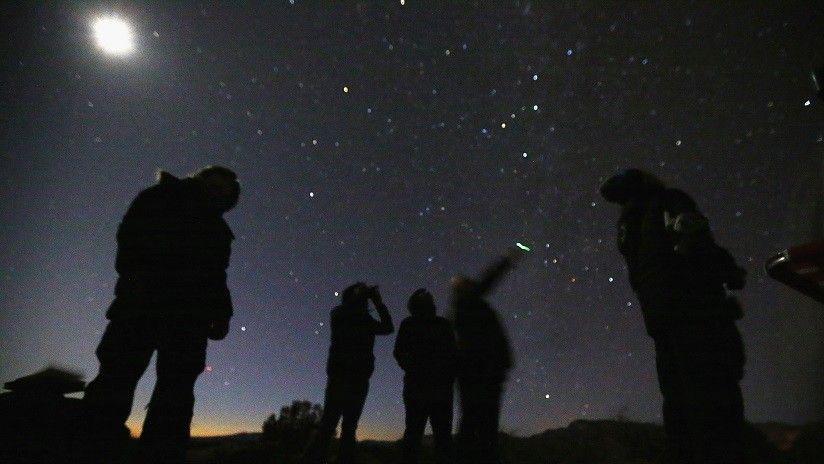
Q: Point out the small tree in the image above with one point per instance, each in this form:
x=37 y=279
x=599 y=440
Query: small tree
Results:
x=293 y=429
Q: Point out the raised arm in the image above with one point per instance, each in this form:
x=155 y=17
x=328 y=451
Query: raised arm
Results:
x=493 y=274
x=384 y=326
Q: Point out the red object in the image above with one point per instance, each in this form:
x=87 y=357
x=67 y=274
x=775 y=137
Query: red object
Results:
x=802 y=268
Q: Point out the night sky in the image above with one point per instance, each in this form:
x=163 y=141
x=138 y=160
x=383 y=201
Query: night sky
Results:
x=402 y=144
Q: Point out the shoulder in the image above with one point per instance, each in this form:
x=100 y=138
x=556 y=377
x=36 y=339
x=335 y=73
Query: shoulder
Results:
x=444 y=329
x=495 y=318
x=167 y=186
x=150 y=195
x=171 y=185
x=406 y=324
x=677 y=199
x=443 y=322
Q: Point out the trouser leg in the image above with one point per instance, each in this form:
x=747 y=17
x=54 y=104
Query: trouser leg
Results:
x=332 y=409
x=416 y=416
x=719 y=422
x=714 y=369
x=441 y=420
x=489 y=422
x=672 y=387
x=468 y=450
x=181 y=358
x=124 y=353
x=352 y=409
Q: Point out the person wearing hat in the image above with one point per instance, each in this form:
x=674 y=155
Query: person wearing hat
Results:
x=173 y=249
x=683 y=281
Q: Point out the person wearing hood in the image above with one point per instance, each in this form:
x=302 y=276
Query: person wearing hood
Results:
x=173 y=249
x=349 y=368
x=683 y=280
x=425 y=350
x=484 y=359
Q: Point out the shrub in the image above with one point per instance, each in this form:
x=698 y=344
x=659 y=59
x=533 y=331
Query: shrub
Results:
x=294 y=427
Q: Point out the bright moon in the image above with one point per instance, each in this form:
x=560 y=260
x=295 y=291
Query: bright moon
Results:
x=113 y=35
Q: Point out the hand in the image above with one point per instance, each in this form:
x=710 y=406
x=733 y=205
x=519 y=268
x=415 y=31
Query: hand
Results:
x=218 y=329
x=514 y=254
x=375 y=295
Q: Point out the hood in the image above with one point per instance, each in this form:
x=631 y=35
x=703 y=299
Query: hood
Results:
x=629 y=185
x=164 y=177
x=421 y=304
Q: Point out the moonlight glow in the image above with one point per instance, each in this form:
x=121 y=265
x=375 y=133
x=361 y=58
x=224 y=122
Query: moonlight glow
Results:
x=113 y=35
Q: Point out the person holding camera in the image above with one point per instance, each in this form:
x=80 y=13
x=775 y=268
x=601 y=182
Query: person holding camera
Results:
x=173 y=249
x=349 y=368
x=683 y=281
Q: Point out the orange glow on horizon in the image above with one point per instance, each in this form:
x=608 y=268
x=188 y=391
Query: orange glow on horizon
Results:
x=216 y=429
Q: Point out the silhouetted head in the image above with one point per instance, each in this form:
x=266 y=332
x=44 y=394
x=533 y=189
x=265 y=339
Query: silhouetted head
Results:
x=632 y=184
x=461 y=283
x=421 y=304
x=356 y=296
x=463 y=287
x=221 y=186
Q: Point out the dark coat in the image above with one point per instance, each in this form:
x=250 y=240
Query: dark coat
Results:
x=173 y=250
x=679 y=273
x=483 y=348
x=353 y=339
x=425 y=349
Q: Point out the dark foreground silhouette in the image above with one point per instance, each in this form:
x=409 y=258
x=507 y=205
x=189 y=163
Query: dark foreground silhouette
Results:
x=37 y=420
x=683 y=281
x=37 y=425
x=425 y=350
x=171 y=297
x=582 y=442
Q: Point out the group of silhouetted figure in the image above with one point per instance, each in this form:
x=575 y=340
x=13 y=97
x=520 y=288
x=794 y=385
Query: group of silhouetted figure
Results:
x=171 y=297
x=427 y=351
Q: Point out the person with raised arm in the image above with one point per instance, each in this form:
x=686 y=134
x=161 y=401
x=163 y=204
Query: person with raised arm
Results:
x=349 y=368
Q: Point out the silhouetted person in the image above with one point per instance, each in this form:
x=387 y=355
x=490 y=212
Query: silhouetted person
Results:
x=425 y=349
x=171 y=296
x=484 y=358
x=682 y=279
x=350 y=365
